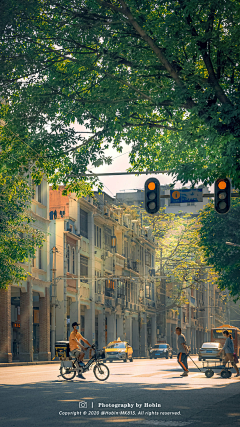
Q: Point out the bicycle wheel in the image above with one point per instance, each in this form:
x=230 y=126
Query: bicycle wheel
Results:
x=68 y=373
x=101 y=371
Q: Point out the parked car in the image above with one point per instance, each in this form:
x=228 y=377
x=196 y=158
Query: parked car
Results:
x=209 y=350
x=161 y=350
x=118 y=350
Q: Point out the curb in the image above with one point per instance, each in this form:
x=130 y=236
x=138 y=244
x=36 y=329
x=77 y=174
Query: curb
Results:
x=42 y=362
x=46 y=362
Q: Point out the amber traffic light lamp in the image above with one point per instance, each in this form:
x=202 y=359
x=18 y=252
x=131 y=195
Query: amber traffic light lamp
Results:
x=222 y=195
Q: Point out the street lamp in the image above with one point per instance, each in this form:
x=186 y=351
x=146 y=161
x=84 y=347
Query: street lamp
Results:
x=232 y=244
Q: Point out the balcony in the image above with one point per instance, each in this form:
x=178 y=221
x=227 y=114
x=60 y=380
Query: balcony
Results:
x=120 y=260
x=149 y=303
x=135 y=266
x=84 y=292
x=109 y=302
x=99 y=299
x=121 y=301
x=131 y=265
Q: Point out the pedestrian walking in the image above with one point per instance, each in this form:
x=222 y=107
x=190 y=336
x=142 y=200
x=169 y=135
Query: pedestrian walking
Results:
x=228 y=348
x=183 y=352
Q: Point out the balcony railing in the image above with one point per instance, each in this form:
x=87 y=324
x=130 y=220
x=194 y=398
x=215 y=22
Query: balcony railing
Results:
x=109 y=302
x=99 y=298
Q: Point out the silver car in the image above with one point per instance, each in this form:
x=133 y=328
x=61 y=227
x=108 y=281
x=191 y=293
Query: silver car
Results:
x=209 y=350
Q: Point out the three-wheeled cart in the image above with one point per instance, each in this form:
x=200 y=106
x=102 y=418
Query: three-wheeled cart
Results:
x=210 y=366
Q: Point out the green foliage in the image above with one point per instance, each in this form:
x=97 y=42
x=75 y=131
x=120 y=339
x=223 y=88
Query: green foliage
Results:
x=18 y=238
x=215 y=231
x=163 y=76
x=180 y=260
x=179 y=257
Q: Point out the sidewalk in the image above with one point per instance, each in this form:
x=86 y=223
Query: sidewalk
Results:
x=43 y=362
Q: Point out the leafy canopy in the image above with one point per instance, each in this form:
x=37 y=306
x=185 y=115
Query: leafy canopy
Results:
x=215 y=231
x=161 y=75
x=18 y=238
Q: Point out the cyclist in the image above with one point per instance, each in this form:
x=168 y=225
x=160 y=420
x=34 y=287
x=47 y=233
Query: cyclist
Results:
x=74 y=344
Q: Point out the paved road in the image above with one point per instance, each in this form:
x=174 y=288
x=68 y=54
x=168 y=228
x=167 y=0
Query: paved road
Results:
x=145 y=392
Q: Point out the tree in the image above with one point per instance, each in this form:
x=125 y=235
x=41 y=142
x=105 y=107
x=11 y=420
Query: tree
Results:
x=18 y=238
x=163 y=76
x=180 y=261
x=215 y=231
x=179 y=258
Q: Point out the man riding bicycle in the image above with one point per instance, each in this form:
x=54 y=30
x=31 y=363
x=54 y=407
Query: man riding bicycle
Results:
x=74 y=344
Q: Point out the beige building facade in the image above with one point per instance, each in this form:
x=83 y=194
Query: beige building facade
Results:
x=105 y=262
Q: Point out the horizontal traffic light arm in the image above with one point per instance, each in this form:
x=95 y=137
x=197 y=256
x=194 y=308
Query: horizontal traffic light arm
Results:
x=208 y=195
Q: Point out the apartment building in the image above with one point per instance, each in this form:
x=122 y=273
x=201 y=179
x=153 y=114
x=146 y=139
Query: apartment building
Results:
x=25 y=309
x=104 y=263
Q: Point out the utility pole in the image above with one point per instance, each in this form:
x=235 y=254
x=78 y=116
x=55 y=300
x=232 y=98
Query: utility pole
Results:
x=53 y=303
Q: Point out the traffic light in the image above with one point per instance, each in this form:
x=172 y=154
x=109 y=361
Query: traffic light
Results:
x=152 y=195
x=222 y=195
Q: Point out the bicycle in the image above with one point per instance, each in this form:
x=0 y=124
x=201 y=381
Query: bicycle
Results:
x=70 y=368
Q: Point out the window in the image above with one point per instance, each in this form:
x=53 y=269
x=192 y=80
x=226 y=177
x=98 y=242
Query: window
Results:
x=152 y=261
x=126 y=248
x=68 y=259
x=108 y=240
x=148 y=258
x=109 y=287
x=97 y=282
x=73 y=261
x=83 y=223
x=97 y=236
x=84 y=268
x=40 y=258
x=33 y=189
x=39 y=193
x=134 y=293
x=120 y=289
x=148 y=290
x=152 y=291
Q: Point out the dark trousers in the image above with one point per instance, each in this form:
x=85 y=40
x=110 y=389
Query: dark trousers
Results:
x=182 y=360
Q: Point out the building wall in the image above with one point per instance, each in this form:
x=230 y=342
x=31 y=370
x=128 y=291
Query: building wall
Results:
x=104 y=311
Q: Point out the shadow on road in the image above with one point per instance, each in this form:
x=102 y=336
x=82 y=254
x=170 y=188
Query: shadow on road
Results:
x=56 y=403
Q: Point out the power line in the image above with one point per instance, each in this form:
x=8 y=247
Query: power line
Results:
x=147 y=172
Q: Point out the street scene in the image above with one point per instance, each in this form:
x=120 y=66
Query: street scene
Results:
x=144 y=393
x=119 y=212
